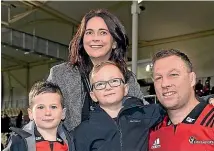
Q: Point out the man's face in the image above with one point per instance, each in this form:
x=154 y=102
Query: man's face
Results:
x=47 y=110
x=109 y=95
x=173 y=82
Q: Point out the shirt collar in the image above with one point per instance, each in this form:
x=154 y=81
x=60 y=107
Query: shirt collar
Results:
x=192 y=116
x=39 y=137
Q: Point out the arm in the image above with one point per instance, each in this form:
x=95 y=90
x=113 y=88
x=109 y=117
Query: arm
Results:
x=211 y=101
x=16 y=143
x=158 y=114
x=209 y=98
x=134 y=88
x=79 y=144
x=80 y=140
x=51 y=76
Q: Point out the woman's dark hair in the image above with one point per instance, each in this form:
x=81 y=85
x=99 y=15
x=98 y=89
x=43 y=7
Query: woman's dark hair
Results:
x=79 y=57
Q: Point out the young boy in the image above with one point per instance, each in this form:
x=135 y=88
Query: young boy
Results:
x=44 y=132
x=117 y=123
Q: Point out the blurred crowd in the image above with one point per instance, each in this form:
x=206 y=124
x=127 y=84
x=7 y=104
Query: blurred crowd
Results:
x=203 y=90
x=7 y=122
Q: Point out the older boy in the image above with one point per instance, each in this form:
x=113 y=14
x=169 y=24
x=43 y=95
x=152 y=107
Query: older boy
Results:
x=44 y=132
x=117 y=123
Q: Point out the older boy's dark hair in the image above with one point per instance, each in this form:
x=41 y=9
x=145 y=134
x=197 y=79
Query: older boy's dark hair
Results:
x=172 y=52
x=41 y=87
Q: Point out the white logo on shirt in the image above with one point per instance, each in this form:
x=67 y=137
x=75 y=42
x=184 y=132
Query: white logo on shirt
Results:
x=156 y=144
x=190 y=120
x=135 y=121
x=193 y=140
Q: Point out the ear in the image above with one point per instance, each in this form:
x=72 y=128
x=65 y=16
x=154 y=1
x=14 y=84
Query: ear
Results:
x=30 y=113
x=94 y=98
x=193 y=78
x=63 y=113
x=126 y=89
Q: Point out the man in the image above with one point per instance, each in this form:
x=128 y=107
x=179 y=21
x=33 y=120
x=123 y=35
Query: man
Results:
x=199 y=88
x=207 y=86
x=189 y=123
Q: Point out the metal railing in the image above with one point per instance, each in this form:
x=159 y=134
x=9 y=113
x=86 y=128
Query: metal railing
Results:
x=35 y=44
x=152 y=96
x=19 y=103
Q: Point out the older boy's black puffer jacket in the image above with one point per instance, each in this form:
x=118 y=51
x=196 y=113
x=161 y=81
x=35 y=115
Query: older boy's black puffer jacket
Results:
x=129 y=132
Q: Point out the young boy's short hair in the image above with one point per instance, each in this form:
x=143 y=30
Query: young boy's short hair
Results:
x=41 y=87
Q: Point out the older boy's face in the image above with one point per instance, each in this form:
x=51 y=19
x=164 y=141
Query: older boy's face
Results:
x=109 y=95
x=46 y=110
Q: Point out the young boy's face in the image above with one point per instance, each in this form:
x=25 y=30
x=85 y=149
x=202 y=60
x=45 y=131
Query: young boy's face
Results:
x=46 y=110
x=109 y=95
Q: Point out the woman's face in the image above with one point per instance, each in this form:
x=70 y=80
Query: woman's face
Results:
x=97 y=40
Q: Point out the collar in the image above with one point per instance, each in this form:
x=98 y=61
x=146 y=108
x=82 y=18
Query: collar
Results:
x=98 y=115
x=40 y=138
x=127 y=102
x=192 y=116
x=132 y=102
x=30 y=128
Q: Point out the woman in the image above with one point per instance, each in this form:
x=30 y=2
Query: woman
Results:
x=19 y=120
x=100 y=37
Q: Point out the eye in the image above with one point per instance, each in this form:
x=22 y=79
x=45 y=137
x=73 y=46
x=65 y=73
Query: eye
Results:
x=174 y=74
x=103 y=33
x=88 y=32
x=53 y=107
x=115 y=80
x=157 y=78
x=40 y=107
x=99 y=84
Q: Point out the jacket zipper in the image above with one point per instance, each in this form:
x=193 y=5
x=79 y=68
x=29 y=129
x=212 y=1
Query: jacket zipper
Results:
x=121 y=135
x=119 y=127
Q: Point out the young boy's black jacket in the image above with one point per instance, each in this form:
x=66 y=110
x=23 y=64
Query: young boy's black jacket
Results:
x=129 y=132
x=25 y=139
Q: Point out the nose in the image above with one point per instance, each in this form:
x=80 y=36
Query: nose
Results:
x=108 y=87
x=165 y=83
x=95 y=38
x=47 y=112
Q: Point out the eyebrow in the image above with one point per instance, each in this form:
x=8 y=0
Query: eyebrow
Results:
x=174 y=70
x=98 y=29
x=49 y=104
x=158 y=74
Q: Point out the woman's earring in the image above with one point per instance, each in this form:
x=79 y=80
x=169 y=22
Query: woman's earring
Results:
x=114 y=45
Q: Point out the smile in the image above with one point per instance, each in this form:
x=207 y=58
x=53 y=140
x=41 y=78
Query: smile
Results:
x=168 y=94
x=47 y=120
x=96 y=46
x=109 y=94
